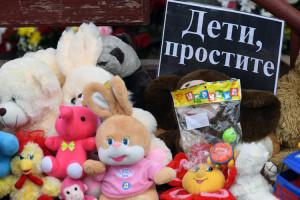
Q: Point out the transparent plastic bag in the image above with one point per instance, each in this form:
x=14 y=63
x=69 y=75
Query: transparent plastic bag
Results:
x=208 y=118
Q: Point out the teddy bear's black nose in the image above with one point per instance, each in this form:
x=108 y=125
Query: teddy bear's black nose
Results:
x=2 y=111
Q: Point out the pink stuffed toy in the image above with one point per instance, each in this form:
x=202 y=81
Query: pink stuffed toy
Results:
x=76 y=127
x=72 y=189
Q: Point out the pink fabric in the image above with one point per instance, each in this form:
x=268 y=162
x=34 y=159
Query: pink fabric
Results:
x=75 y=125
x=64 y=158
x=126 y=181
x=157 y=155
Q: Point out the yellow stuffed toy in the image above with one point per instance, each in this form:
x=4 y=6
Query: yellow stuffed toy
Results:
x=204 y=178
x=27 y=181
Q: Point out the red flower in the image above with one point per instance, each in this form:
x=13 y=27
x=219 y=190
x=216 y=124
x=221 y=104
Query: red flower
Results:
x=142 y=40
x=44 y=29
x=118 y=31
x=232 y=5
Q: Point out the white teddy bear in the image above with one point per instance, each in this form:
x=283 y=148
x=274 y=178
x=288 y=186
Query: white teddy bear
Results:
x=30 y=93
x=48 y=56
x=77 y=79
x=250 y=184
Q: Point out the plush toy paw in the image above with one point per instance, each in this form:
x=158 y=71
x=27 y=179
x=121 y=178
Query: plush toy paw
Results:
x=51 y=186
x=74 y=170
x=47 y=164
x=165 y=175
x=93 y=167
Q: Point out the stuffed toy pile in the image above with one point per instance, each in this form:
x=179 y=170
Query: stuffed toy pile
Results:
x=85 y=121
x=260 y=110
x=123 y=143
x=27 y=180
x=43 y=94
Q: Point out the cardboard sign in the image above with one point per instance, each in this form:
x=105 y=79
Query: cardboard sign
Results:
x=241 y=45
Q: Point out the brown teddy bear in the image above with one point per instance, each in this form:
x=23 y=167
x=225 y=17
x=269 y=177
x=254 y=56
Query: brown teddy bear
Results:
x=288 y=92
x=260 y=110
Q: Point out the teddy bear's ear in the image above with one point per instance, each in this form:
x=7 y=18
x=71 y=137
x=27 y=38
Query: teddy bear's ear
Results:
x=48 y=56
x=260 y=113
x=75 y=49
x=107 y=95
x=207 y=75
x=121 y=94
x=45 y=79
x=158 y=100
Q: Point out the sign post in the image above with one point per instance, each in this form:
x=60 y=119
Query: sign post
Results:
x=241 y=45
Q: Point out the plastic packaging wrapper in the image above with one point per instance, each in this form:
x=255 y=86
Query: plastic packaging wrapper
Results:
x=208 y=118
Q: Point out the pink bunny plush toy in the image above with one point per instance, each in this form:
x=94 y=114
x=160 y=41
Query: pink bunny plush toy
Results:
x=76 y=127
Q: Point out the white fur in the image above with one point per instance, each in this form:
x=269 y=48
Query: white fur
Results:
x=49 y=57
x=132 y=153
x=268 y=144
x=80 y=48
x=36 y=91
x=146 y=118
x=79 y=78
x=250 y=184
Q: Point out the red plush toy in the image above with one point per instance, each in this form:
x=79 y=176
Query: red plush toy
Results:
x=180 y=163
x=76 y=127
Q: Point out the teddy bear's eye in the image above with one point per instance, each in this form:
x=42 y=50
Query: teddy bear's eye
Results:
x=13 y=99
x=82 y=118
x=80 y=95
x=75 y=189
x=68 y=192
x=73 y=101
x=21 y=157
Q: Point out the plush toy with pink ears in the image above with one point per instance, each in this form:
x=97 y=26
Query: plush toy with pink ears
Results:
x=76 y=127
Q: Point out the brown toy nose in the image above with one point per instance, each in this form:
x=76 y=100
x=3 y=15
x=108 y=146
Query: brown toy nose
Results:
x=2 y=111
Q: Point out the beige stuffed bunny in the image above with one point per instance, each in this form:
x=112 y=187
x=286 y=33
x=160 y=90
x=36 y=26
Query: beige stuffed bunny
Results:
x=123 y=143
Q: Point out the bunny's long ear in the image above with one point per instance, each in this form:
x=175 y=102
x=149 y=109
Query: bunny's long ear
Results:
x=75 y=49
x=107 y=96
x=121 y=95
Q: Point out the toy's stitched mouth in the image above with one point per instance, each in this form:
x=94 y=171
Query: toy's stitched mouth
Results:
x=119 y=158
x=26 y=171
x=199 y=181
